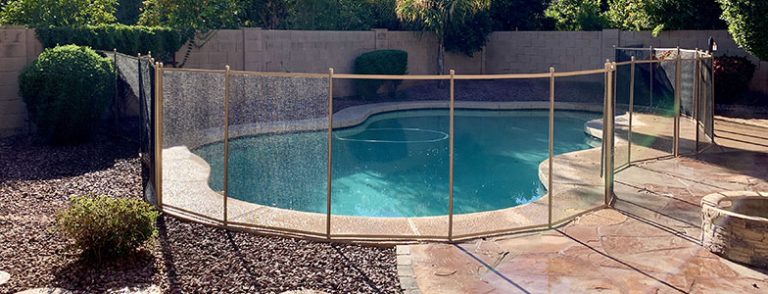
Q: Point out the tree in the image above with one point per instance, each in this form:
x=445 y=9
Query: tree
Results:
x=629 y=15
x=268 y=14
x=748 y=24
x=470 y=35
x=437 y=17
x=44 y=13
x=661 y=15
x=576 y=15
x=513 y=15
x=686 y=14
x=328 y=15
x=192 y=15
x=128 y=11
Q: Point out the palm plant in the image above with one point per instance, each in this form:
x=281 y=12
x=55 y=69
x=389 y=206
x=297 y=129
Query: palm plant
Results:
x=436 y=16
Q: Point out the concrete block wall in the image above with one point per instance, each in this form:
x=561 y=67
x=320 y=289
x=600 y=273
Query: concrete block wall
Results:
x=18 y=47
x=254 y=49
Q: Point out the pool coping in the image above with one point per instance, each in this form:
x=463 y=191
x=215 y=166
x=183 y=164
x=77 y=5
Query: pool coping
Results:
x=186 y=185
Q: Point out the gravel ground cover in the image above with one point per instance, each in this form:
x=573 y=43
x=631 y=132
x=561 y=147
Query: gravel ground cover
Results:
x=36 y=180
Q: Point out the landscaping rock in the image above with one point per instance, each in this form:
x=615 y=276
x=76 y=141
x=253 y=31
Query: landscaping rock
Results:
x=36 y=181
x=45 y=291
x=4 y=277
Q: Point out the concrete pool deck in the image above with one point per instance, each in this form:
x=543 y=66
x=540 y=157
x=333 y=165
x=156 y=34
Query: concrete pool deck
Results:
x=649 y=242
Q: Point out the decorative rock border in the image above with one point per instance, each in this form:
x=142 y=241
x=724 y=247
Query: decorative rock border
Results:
x=731 y=229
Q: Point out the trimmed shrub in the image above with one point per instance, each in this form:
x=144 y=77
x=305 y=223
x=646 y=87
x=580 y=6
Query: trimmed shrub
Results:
x=748 y=24
x=105 y=227
x=66 y=89
x=163 y=42
x=382 y=62
x=732 y=77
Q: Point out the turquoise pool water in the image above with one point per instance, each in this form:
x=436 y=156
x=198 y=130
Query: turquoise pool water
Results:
x=396 y=163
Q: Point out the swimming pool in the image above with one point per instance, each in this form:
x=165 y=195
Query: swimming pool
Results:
x=395 y=164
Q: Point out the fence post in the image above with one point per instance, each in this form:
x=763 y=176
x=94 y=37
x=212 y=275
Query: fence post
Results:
x=678 y=76
x=712 y=99
x=115 y=109
x=608 y=132
x=651 y=55
x=330 y=155
x=159 y=134
x=631 y=107
x=696 y=96
x=550 y=187
x=450 y=155
x=226 y=141
x=142 y=100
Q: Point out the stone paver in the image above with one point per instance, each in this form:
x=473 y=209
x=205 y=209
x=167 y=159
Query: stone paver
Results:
x=649 y=242
x=604 y=251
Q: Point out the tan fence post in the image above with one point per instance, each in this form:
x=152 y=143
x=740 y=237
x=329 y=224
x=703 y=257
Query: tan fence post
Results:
x=159 y=134
x=226 y=141
x=330 y=155
x=608 y=132
x=550 y=187
x=650 y=70
x=678 y=76
x=631 y=107
x=712 y=97
x=696 y=96
x=450 y=156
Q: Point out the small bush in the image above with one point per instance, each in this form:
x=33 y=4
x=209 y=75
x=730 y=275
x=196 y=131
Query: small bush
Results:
x=67 y=89
x=732 y=77
x=105 y=227
x=382 y=62
x=163 y=42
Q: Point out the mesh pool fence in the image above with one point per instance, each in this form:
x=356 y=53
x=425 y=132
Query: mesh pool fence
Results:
x=304 y=154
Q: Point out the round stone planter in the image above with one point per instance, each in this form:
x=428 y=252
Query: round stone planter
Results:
x=735 y=226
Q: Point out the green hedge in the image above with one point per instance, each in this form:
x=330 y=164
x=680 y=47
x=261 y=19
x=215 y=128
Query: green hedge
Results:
x=163 y=42
x=66 y=90
x=382 y=62
x=105 y=227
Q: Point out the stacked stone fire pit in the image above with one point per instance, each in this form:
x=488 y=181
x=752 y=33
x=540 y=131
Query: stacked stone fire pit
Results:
x=735 y=226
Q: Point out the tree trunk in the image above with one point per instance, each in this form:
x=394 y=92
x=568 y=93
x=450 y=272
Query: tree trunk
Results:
x=441 y=63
